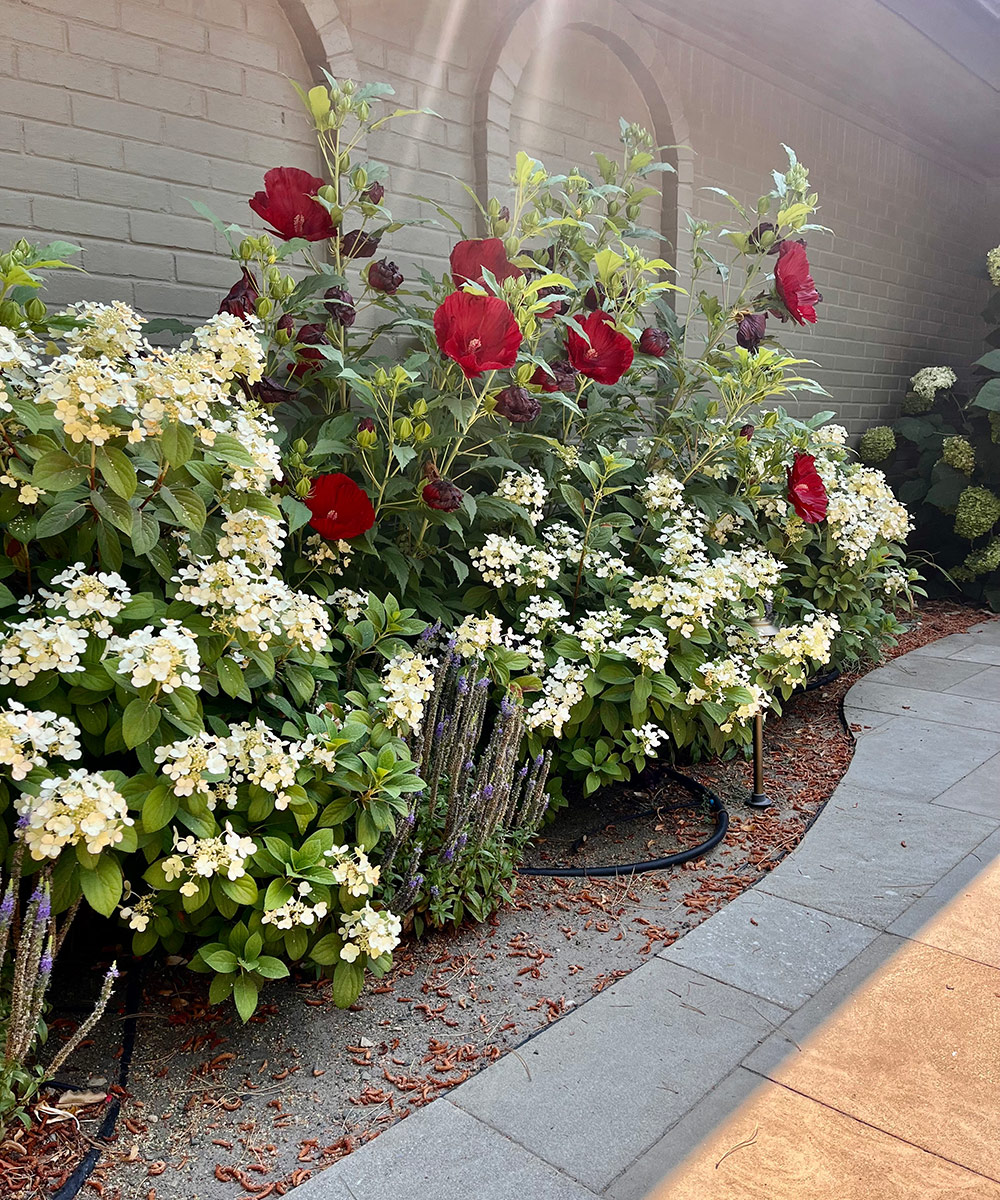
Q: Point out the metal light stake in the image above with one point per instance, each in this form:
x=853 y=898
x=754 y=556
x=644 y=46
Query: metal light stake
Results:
x=765 y=629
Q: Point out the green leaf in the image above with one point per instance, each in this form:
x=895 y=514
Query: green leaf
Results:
x=222 y=960
x=240 y=891
x=327 y=950
x=158 y=808
x=990 y=360
x=230 y=677
x=139 y=722
x=271 y=968
x=296 y=512
x=988 y=396
x=177 y=443
x=145 y=532
x=187 y=506
x=116 y=467
x=245 y=996
x=102 y=885
x=56 y=471
x=63 y=515
x=301 y=682
x=348 y=980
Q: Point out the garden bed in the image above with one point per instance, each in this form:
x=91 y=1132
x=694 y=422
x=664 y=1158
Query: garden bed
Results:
x=215 y=1109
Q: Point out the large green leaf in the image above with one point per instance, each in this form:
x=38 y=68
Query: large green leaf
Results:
x=116 y=467
x=56 y=471
x=348 y=980
x=102 y=885
x=139 y=722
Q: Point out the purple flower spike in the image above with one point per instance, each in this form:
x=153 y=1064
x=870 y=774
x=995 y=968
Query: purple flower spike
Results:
x=461 y=840
x=483 y=683
x=539 y=759
x=469 y=765
x=44 y=911
x=22 y=821
x=462 y=684
x=7 y=905
x=439 y=730
x=506 y=708
x=411 y=819
x=488 y=792
x=45 y=966
x=448 y=855
x=435 y=891
x=523 y=771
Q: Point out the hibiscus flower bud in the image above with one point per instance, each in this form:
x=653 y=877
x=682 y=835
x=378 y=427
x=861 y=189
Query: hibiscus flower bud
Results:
x=504 y=213
x=241 y=299
x=654 y=341
x=303 y=488
x=518 y=405
x=367 y=434
x=367 y=424
x=762 y=238
x=439 y=493
x=268 y=390
x=340 y=305
x=750 y=331
x=385 y=276
x=747 y=431
x=374 y=193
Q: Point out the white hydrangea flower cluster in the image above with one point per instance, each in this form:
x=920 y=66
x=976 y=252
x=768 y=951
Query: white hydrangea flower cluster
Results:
x=729 y=673
x=663 y=493
x=540 y=613
x=477 y=634
x=264 y=607
x=332 y=557
x=694 y=595
x=253 y=537
x=724 y=527
x=203 y=858
x=526 y=489
x=368 y=931
x=647 y=647
x=251 y=754
x=167 y=657
x=29 y=739
x=93 y=599
x=563 y=686
x=86 y=393
x=504 y=559
x=929 y=380
x=596 y=631
x=809 y=639
x=408 y=681
x=234 y=345
x=254 y=432
x=81 y=806
x=139 y=912
x=27 y=493
x=649 y=738
x=352 y=870
x=27 y=648
x=862 y=509
x=565 y=543
x=17 y=365
x=993 y=265
x=174 y=386
x=109 y=331
x=353 y=603
x=297 y=911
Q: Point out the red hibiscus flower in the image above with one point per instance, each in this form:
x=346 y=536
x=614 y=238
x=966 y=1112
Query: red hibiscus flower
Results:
x=560 y=377
x=794 y=283
x=287 y=205
x=470 y=257
x=806 y=492
x=604 y=354
x=340 y=509
x=478 y=332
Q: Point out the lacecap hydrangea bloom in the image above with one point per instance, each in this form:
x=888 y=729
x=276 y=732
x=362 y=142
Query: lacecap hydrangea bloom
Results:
x=81 y=806
x=167 y=657
x=225 y=854
x=29 y=739
x=408 y=681
x=367 y=931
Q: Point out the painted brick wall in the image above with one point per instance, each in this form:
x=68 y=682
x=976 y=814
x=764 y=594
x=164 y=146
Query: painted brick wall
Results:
x=114 y=112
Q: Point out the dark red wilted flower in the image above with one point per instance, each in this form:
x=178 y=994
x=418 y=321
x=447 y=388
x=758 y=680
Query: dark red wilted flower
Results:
x=603 y=354
x=367 y=424
x=374 y=193
x=241 y=299
x=358 y=244
x=504 y=213
x=469 y=258
x=340 y=509
x=385 y=276
x=308 y=360
x=479 y=332
x=440 y=493
x=654 y=341
x=340 y=305
x=517 y=405
x=287 y=205
x=267 y=390
x=562 y=379
x=747 y=431
x=556 y=308
x=756 y=237
x=794 y=284
x=595 y=297
x=806 y=492
x=750 y=331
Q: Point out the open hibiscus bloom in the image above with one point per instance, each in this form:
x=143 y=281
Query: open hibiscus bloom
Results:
x=287 y=204
x=806 y=491
x=470 y=257
x=340 y=509
x=603 y=354
x=479 y=332
x=794 y=284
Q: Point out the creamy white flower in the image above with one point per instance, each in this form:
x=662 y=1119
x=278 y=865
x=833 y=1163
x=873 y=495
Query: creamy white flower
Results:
x=408 y=681
x=527 y=490
x=370 y=932
x=930 y=380
x=29 y=739
x=167 y=657
x=79 y=807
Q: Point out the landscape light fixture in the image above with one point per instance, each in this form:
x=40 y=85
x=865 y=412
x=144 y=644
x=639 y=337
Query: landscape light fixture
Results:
x=765 y=629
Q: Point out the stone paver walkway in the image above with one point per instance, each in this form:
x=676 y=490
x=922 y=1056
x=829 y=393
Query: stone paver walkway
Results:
x=833 y=1032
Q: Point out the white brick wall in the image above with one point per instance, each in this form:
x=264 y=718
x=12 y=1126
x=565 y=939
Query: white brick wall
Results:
x=114 y=112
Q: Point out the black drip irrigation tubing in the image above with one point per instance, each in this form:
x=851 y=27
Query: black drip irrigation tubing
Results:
x=133 y=994
x=700 y=792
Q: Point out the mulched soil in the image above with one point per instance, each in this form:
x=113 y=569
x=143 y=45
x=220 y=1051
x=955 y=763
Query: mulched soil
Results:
x=216 y=1110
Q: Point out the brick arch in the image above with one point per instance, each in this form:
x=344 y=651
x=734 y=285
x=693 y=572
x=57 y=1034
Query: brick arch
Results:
x=616 y=29
x=323 y=36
